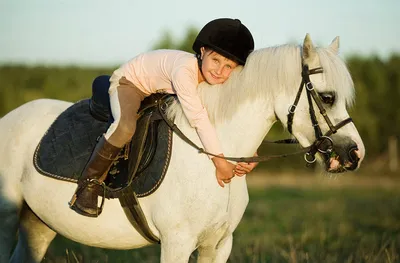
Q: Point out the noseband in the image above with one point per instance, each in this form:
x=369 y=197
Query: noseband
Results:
x=323 y=143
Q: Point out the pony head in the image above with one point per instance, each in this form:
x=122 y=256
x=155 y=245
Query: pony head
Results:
x=316 y=114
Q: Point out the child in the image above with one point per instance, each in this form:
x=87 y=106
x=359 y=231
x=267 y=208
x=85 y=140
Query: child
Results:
x=220 y=47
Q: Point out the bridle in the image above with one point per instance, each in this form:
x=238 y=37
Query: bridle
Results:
x=323 y=143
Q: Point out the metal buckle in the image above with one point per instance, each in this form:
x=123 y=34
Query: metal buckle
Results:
x=164 y=106
x=329 y=148
x=309 y=154
x=292 y=108
x=95 y=181
x=309 y=86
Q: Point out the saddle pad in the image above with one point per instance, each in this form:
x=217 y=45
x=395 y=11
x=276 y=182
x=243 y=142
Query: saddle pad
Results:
x=68 y=144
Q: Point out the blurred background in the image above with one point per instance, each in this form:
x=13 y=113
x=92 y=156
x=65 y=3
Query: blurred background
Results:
x=54 y=49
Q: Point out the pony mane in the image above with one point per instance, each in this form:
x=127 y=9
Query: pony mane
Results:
x=268 y=71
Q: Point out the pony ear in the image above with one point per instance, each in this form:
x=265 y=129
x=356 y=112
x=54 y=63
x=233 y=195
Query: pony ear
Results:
x=308 y=48
x=334 y=46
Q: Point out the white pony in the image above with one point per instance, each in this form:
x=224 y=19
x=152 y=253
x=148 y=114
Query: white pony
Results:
x=190 y=210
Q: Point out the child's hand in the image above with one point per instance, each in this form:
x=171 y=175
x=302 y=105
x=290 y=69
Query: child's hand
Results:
x=224 y=171
x=244 y=168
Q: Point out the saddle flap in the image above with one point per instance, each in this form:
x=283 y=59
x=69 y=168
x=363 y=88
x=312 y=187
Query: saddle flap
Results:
x=138 y=143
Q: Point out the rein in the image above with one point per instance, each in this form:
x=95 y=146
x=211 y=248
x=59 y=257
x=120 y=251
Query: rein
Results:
x=162 y=108
x=309 y=152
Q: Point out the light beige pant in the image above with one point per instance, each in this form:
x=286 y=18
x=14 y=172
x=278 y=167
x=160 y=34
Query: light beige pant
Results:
x=125 y=101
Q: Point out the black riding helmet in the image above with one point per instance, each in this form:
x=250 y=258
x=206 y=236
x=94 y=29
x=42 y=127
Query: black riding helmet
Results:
x=228 y=37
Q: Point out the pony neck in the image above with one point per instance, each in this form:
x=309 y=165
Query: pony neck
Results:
x=244 y=132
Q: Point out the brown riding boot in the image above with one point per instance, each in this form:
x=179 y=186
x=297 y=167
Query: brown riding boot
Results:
x=84 y=201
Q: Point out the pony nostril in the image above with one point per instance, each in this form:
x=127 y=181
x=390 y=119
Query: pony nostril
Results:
x=353 y=155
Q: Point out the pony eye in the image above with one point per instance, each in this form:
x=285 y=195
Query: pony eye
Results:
x=327 y=97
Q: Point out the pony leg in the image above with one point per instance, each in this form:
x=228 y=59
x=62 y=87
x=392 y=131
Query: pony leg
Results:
x=9 y=214
x=34 y=238
x=177 y=250
x=218 y=254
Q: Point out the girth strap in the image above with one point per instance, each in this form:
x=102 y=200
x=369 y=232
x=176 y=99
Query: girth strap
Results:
x=127 y=196
x=135 y=215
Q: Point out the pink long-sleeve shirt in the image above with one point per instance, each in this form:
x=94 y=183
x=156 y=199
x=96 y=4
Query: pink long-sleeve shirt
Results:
x=174 y=72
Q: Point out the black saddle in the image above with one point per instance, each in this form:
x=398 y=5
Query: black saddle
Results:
x=68 y=144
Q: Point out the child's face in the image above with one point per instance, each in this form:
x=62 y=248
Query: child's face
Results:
x=215 y=67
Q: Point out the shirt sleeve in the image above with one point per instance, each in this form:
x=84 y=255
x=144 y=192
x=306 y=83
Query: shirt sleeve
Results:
x=184 y=82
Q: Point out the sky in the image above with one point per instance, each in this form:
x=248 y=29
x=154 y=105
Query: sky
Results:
x=110 y=32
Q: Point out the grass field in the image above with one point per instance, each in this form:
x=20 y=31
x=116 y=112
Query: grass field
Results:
x=302 y=218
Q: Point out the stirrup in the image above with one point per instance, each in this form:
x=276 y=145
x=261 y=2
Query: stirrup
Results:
x=75 y=197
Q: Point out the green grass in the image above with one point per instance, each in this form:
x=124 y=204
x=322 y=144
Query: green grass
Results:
x=341 y=225
x=289 y=224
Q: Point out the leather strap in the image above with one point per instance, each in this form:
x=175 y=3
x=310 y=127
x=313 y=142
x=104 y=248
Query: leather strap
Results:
x=127 y=197
x=134 y=213
x=253 y=159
